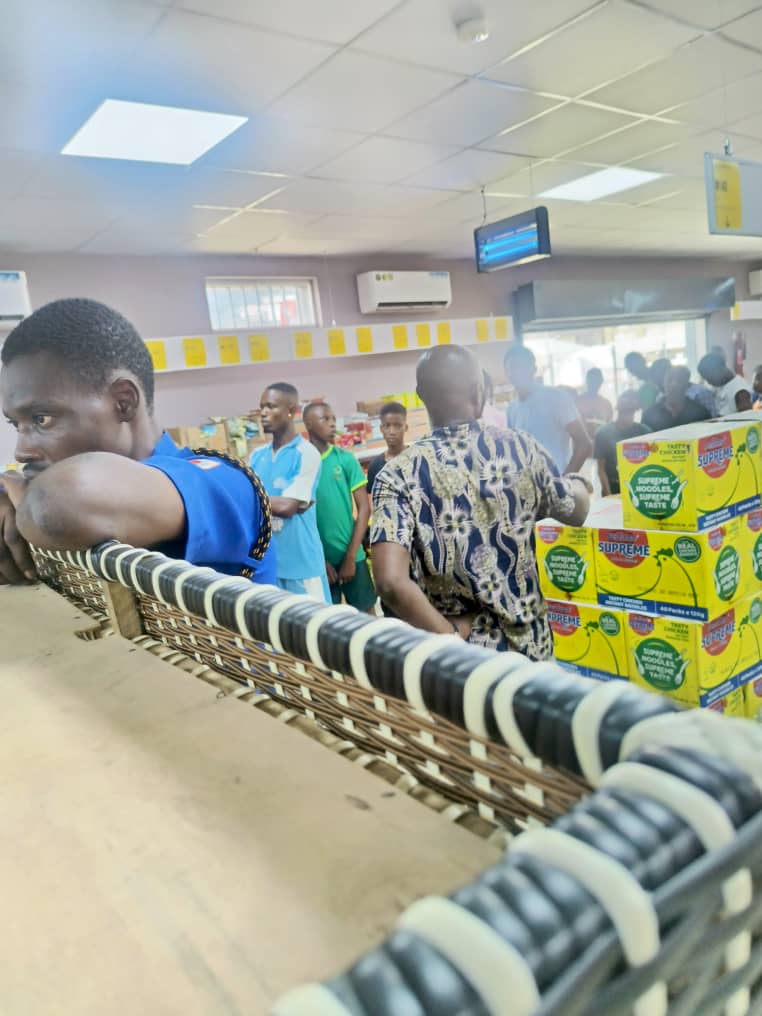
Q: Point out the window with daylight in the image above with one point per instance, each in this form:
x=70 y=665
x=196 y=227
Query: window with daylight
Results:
x=235 y=304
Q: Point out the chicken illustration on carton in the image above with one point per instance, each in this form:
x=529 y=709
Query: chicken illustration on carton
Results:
x=588 y=640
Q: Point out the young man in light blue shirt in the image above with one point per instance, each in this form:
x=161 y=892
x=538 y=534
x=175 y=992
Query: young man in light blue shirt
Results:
x=289 y=468
x=548 y=414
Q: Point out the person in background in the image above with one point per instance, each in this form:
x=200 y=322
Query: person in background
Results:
x=290 y=469
x=341 y=486
x=548 y=414
x=453 y=517
x=648 y=392
x=675 y=408
x=594 y=408
x=77 y=385
x=393 y=428
x=697 y=393
x=732 y=393
x=491 y=415
x=757 y=387
x=622 y=428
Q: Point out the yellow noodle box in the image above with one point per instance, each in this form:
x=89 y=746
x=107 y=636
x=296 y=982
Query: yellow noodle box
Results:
x=751 y=679
x=690 y=478
x=565 y=554
x=588 y=640
x=697 y=664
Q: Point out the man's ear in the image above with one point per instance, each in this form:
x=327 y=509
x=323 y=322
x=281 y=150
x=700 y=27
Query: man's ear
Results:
x=127 y=397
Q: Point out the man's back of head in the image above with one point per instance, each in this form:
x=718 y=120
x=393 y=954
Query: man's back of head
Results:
x=450 y=383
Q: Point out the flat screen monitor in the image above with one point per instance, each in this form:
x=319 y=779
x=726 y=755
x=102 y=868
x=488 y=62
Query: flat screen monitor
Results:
x=514 y=241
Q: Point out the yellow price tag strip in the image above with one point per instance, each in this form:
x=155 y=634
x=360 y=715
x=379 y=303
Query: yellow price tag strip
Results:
x=423 y=335
x=336 y=344
x=482 y=330
x=303 y=345
x=228 y=347
x=501 y=328
x=727 y=195
x=259 y=348
x=444 y=336
x=194 y=351
x=158 y=353
x=399 y=336
x=364 y=340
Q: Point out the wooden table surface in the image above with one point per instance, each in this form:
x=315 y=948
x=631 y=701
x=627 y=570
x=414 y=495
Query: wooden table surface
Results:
x=164 y=851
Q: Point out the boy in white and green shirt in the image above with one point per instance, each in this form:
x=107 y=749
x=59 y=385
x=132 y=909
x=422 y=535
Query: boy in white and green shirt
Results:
x=342 y=512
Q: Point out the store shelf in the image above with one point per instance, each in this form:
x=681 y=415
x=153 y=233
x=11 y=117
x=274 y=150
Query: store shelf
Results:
x=279 y=345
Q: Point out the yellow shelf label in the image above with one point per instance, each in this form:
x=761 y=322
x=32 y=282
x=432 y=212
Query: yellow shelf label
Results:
x=194 y=351
x=336 y=344
x=444 y=337
x=364 y=340
x=399 y=336
x=259 y=348
x=158 y=354
x=501 y=328
x=228 y=347
x=727 y=195
x=303 y=345
x=482 y=330
x=423 y=335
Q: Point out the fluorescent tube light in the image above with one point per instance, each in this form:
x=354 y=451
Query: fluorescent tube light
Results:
x=140 y=132
x=601 y=184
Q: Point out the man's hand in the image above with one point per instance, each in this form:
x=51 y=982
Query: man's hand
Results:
x=330 y=571
x=347 y=569
x=16 y=565
x=463 y=623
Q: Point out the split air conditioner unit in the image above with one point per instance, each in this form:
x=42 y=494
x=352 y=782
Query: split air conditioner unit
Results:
x=14 y=299
x=385 y=292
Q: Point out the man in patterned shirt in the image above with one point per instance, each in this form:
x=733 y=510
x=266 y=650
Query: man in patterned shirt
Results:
x=454 y=515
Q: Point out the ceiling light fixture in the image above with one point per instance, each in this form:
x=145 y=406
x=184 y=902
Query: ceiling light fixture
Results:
x=140 y=132
x=601 y=184
x=473 y=30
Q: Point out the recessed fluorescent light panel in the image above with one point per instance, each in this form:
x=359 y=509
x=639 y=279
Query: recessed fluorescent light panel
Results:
x=601 y=184
x=139 y=132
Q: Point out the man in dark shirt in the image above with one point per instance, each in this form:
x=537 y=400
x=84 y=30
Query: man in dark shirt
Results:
x=393 y=428
x=675 y=408
x=622 y=429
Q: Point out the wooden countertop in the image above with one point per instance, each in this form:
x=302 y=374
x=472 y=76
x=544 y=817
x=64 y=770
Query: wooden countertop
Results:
x=168 y=852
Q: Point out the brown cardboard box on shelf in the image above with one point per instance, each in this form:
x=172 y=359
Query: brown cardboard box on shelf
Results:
x=212 y=436
x=370 y=406
x=417 y=424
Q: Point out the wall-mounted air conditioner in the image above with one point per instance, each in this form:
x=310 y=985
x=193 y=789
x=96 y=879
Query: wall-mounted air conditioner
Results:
x=384 y=292
x=14 y=299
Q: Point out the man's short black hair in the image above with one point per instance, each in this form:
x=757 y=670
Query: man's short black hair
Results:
x=392 y=407
x=285 y=387
x=312 y=406
x=90 y=339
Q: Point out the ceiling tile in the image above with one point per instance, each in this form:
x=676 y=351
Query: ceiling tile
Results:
x=361 y=92
x=687 y=159
x=469 y=208
x=45 y=224
x=705 y=13
x=558 y=130
x=632 y=142
x=383 y=160
x=328 y=21
x=123 y=239
x=540 y=177
x=747 y=30
x=235 y=69
x=469 y=114
x=700 y=67
x=273 y=144
x=615 y=39
x=16 y=167
x=722 y=106
x=423 y=31
x=751 y=127
x=467 y=170
x=324 y=196
x=357 y=226
x=317 y=246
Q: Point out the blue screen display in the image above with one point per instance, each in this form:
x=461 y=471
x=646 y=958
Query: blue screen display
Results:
x=513 y=241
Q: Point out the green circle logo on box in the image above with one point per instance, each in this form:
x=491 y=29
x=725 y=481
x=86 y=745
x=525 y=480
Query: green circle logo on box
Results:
x=755 y=610
x=656 y=492
x=565 y=569
x=756 y=558
x=660 y=665
x=727 y=573
x=752 y=441
x=687 y=549
x=609 y=624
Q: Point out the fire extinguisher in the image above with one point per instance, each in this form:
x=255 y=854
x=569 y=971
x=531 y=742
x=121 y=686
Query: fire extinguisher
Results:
x=739 y=352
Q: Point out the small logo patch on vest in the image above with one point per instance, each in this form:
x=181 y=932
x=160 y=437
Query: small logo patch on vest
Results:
x=205 y=463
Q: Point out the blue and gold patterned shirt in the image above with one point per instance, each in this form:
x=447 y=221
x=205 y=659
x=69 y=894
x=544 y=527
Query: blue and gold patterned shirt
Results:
x=464 y=502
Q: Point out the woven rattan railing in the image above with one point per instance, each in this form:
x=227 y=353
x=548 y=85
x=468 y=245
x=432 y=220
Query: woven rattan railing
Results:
x=639 y=899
